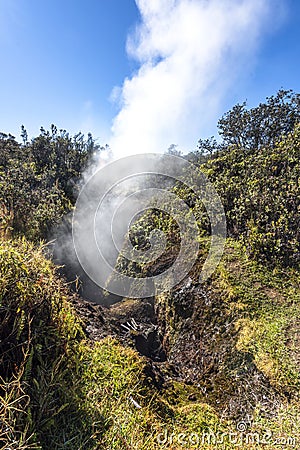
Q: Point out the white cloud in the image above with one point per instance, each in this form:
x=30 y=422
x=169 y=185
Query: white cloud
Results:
x=190 y=52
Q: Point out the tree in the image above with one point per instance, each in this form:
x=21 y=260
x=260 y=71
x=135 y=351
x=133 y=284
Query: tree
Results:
x=63 y=157
x=263 y=125
x=38 y=179
x=260 y=192
x=173 y=150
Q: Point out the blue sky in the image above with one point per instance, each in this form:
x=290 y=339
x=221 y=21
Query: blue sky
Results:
x=61 y=60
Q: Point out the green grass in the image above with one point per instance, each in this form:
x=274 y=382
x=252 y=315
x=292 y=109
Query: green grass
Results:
x=268 y=305
x=60 y=391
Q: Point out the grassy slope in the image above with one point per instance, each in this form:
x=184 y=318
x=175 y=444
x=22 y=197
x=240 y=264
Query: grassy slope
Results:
x=59 y=391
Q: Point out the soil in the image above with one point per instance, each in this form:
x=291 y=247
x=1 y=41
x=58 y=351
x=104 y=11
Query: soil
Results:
x=198 y=350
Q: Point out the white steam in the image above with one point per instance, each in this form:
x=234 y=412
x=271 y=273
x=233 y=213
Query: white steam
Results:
x=189 y=53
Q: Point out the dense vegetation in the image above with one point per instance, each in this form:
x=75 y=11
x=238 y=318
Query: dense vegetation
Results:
x=231 y=344
x=39 y=179
x=256 y=171
x=260 y=193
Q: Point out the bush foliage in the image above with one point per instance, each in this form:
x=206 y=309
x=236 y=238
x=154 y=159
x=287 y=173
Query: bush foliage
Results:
x=39 y=179
x=260 y=192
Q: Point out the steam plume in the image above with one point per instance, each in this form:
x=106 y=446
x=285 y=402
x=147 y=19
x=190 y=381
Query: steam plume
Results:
x=189 y=53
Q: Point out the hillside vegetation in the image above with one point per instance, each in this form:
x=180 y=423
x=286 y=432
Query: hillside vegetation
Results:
x=227 y=373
